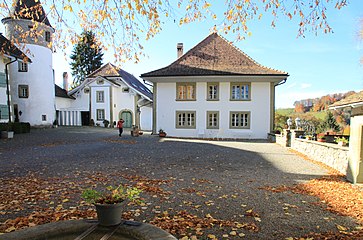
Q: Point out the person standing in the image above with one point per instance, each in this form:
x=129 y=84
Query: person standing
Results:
x=120 y=124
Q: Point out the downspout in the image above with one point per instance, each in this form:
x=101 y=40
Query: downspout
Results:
x=282 y=82
x=146 y=83
x=272 y=120
x=7 y=85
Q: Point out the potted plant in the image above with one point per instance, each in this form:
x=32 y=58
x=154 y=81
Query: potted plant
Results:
x=109 y=203
x=321 y=138
x=342 y=141
x=135 y=131
x=162 y=133
x=106 y=123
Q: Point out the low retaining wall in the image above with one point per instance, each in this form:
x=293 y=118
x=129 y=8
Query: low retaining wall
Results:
x=330 y=154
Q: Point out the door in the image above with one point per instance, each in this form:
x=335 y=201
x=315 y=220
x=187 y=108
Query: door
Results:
x=127 y=117
x=85 y=118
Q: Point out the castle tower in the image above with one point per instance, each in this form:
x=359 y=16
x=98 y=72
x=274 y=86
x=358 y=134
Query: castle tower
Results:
x=31 y=84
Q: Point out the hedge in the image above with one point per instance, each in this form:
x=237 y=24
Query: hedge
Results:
x=17 y=127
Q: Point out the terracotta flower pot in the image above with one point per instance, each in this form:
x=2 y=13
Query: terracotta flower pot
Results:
x=109 y=214
x=162 y=134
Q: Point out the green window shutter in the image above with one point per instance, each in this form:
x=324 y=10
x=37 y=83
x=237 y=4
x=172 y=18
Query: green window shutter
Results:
x=4 y=112
x=2 y=80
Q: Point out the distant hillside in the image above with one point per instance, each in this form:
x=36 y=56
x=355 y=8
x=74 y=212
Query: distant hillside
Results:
x=315 y=111
x=319 y=104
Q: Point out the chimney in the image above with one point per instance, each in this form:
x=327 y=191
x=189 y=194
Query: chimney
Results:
x=179 y=49
x=65 y=81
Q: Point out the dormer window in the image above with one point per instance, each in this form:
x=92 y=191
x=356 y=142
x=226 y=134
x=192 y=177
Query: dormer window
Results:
x=22 y=67
x=47 y=36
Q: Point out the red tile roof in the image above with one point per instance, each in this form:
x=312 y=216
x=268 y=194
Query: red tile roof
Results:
x=214 y=56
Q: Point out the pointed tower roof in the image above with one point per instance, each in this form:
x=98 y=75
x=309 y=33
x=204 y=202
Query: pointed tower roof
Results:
x=214 y=56
x=30 y=10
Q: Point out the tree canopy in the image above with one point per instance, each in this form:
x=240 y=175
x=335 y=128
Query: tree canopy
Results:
x=86 y=57
x=124 y=25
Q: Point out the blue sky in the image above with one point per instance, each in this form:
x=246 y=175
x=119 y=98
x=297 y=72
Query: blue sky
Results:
x=317 y=64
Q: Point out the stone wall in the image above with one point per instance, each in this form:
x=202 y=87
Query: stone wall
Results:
x=330 y=154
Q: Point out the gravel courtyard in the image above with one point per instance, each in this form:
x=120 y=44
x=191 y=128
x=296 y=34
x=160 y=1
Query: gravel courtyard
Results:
x=192 y=188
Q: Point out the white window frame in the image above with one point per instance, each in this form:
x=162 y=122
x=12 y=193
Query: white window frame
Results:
x=100 y=114
x=239 y=120
x=240 y=92
x=185 y=119
x=100 y=96
x=22 y=66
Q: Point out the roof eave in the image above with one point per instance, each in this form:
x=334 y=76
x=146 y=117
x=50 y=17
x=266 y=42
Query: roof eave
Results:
x=352 y=105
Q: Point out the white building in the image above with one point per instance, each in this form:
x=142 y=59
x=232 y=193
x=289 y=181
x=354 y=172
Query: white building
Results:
x=31 y=85
x=108 y=94
x=214 y=91
x=9 y=54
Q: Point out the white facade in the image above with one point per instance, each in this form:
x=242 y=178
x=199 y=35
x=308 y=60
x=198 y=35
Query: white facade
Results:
x=110 y=96
x=3 y=96
x=258 y=107
x=39 y=107
x=32 y=85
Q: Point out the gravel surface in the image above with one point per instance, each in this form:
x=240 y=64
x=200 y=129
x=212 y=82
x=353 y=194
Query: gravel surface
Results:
x=226 y=179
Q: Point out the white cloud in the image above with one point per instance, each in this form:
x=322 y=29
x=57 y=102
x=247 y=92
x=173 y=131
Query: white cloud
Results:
x=305 y=85
x=286 y=99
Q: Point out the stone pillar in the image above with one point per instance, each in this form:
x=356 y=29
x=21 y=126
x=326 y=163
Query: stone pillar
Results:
x=355 y=164
x=287 y=135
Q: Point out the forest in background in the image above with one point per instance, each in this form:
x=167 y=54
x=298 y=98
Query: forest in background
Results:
x=316 y=112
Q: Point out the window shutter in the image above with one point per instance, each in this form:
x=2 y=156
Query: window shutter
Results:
x=2 y=80
x=4 y=112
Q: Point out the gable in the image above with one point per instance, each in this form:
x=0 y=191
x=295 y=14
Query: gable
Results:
x=214 y=56
x=112 y=73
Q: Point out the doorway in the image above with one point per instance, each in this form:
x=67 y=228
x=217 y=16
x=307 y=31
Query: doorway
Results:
x=85 y=118
x=127 y=117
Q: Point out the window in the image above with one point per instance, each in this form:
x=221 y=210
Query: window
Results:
x=239 y=120
x=240 y=91
x=100 y=114
x=44 y=117
x=23 y=91
x=125 y=89
x=4 y=111
x=185 y=91
x=212 y=119
x=86 y=90
x=100 y=96
x=22 y=67
x=212 y=91
x=100 y=81
x=185 y=119
x=47 y=36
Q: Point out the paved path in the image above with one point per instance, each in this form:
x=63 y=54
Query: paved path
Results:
x=220 y=178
